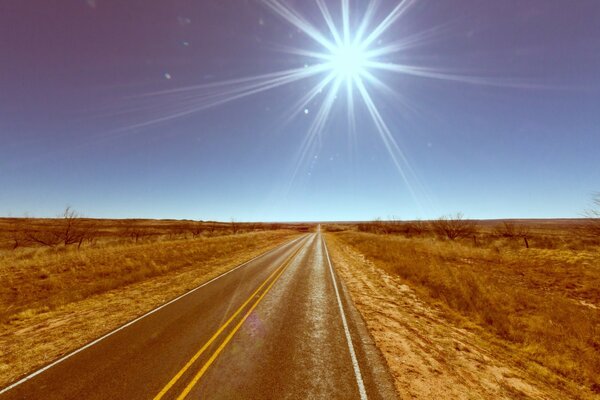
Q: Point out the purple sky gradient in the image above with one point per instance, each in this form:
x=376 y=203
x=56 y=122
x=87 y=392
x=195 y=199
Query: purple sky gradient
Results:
x=75 y=78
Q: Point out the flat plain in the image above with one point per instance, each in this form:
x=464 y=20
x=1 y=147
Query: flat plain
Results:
x=55 y=298
x=523 y=291
x=472 y=309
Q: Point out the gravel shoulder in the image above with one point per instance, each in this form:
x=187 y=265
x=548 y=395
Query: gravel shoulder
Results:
x=428 y=356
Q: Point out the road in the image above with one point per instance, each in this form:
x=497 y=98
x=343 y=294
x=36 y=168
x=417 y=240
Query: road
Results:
x=282 y=326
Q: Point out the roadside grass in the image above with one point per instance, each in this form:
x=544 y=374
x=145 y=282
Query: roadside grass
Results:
x=54 y=300
x=35 y=280
x=543 y=302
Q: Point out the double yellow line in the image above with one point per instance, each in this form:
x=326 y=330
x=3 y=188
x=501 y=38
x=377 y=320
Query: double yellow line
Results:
x=272 y=279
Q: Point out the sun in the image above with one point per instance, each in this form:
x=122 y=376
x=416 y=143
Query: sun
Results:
x=348 y=61
x=347 y=56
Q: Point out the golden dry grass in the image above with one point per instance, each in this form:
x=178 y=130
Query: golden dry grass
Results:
x=428 y=355
x=53 y=300
x=544 y=301
x=47 y=278
x=20 y=233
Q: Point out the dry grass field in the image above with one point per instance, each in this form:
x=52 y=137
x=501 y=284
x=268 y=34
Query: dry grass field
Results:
x=532 y=286
x=490 y=309
x=55 y=297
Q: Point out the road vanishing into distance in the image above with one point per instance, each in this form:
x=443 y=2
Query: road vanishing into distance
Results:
x=280 y=326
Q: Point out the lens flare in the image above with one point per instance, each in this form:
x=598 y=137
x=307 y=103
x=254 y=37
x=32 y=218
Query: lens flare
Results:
x=348 y=61
x=347 y=58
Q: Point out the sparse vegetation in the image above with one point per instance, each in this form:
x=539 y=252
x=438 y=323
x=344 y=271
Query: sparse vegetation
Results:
x=453 y=227
x=196 y=229
x=511 y=230
x=39 y=267
x=69 y=228
x=533 y=286
x=234 y=226
x=48 y=278
x=593 y=226
x=383 y=227
x=543 y=300
x=55 y=298
x=416 y=228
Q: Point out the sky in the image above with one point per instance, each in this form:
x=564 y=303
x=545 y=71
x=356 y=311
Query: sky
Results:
x=193 y=109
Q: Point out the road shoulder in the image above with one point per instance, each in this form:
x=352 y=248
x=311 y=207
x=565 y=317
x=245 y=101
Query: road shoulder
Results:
x=26 y=345
x=428 y=357
x=378 y=372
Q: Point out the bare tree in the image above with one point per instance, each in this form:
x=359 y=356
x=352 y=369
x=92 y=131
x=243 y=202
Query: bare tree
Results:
x=234 y=226
x=90 y=234
x=453 y=227
x=211 y=227
x=42 y=237
x=592 y=226
x=415 y=228
x=17 y=233
x=363 y=227
x=381 y=226
x=69 y=229
x=135 y=233
x=511 y=230
x=175 y=232
x=72 y=230
x=196 y=229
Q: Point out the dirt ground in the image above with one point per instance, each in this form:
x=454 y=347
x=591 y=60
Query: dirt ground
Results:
x=429 y=357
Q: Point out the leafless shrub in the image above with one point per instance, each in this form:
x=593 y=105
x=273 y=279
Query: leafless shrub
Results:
x=512 y=230
x=370 y=227
x=333 y=228
x=211 y=227
x=72 y=229
x=177 y=231
x=363 y=227
x=394 y=226
x=17 y=234
x=45 y=237
x=234 y=226
x=415 y=228
x=453 y=227
x=592 y=226
x=69 y=229
x=136 y=233
x=91 y=233
x=380 y=227
x=196 y=228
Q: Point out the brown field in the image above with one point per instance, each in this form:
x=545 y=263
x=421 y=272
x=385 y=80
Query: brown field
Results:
x=56 y=297
x=530 y=287
x=490 y=309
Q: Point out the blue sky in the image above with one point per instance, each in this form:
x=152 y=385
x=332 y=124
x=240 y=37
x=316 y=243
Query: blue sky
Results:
x=512 y=131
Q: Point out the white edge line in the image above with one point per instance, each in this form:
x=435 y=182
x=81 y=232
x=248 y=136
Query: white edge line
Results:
x=39 y=371
x=357 y=374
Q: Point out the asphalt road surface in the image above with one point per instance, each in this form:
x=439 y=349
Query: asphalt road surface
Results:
x=281 y=326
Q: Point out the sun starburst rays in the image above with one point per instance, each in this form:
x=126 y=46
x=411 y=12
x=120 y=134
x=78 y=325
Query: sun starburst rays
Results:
x=348 y=61
x=346 y=58
x=349 y=58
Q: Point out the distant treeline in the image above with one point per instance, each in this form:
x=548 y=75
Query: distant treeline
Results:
x=71 y=229
x=538 y=233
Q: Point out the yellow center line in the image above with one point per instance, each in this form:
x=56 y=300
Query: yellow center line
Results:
x=179 y=374
x=213 y=357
